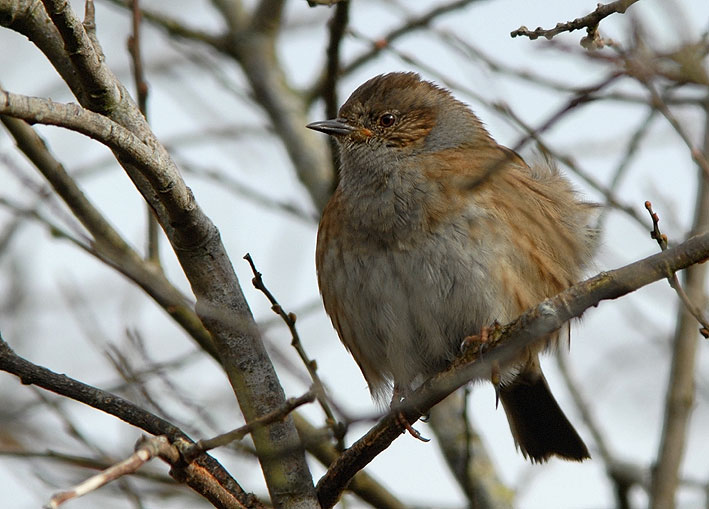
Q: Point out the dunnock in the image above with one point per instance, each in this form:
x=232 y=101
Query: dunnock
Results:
x=434 y=232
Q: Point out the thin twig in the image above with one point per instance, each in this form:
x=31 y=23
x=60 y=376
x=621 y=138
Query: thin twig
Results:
x=148 y=449
x=194 y=450
x=134 y=48
x=661 y=239
x=681 y=383
x=337 y=427
x=74 y=460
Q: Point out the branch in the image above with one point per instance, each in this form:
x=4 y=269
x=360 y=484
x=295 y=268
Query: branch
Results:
x=362 y=484
x=104 y=130
x=661 y=239
x=147 y=450
x=530 y=328
x=220 y=302
x=419 y=22
x=337 y=29
x=590 y=22
x=205 y=475
x=338 y=428
x=141 y=92
x=97 y=81
x=194 y=450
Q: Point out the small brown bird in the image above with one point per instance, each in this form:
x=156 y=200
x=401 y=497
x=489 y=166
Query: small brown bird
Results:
x=433 y=233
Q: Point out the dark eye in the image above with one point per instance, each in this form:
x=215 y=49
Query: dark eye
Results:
x=387 y=120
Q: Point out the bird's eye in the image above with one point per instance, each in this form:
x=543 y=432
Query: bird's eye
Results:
x=387 y=120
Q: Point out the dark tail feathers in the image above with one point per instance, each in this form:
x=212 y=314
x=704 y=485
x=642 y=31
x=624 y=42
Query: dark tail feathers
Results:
x=538 y=425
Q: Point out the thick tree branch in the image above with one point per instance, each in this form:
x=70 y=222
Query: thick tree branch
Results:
x=419 y=22
x=505 y=344
x=97 y=81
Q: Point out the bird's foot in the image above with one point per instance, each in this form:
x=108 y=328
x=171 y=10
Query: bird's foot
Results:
x=397 y=400
x=479 y=343
x=404 y=423
x=476 y=342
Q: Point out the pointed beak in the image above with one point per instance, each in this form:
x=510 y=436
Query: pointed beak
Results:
x=334 y=127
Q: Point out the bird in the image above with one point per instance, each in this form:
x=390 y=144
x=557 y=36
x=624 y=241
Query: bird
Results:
x=433 y=233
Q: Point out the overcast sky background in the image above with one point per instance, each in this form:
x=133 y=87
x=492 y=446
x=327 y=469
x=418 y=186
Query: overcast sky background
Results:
x=620 y=350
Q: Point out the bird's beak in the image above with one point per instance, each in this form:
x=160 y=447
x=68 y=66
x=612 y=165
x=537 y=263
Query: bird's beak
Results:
x=334 y=127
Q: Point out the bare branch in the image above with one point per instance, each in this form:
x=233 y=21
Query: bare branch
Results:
x=337 y=27
x=363 y=485
x=147 y=450
x=661 y=239
x=206 y=444
x=590 y=22
x=97 y=81
x=141 y=90
x=338 y=428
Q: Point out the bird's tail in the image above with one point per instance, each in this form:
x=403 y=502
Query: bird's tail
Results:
x=538 y=425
